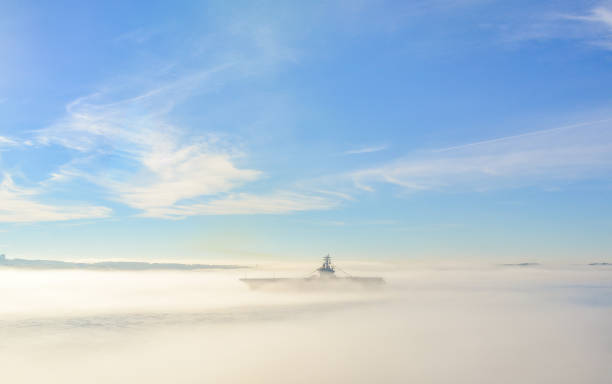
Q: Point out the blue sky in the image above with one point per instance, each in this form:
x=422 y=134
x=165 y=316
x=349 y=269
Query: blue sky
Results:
x=367 y=129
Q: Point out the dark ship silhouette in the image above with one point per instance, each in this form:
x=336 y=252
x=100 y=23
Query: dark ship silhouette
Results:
x=326 y=277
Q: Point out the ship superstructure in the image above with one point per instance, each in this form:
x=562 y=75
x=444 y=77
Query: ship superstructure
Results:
x=325 y=277
x=326 y=270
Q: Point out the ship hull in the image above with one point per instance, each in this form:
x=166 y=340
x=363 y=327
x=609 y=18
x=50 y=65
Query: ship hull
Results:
x=263 y=283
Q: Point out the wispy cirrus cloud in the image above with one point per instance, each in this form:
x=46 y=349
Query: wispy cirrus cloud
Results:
x=363 y=150
x=174 y=173
x=280 y=202
x=601 y=15
x=159 y=168
x=20 y=205
x=158 y=164
x=569 y=153
x=123 y=141
x=5 y=141
x=592 y=26
x=600 y=21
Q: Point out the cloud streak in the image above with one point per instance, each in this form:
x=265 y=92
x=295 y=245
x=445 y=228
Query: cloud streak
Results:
x=359 y=151
x=5 y=141
x=157 y=163
x=600 y=21
x=19 y=205
x=544 y=157
x=593 y=26
x=248 y=204
x=161 y=169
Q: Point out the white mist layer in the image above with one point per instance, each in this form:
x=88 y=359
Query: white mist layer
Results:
x=459 y=325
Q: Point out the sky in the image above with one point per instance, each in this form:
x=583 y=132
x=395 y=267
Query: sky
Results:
x=419 y=130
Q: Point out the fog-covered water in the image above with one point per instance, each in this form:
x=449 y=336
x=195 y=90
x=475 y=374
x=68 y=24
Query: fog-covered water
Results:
x=467 y=324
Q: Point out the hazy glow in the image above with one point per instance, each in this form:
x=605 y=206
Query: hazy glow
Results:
x=430 y=325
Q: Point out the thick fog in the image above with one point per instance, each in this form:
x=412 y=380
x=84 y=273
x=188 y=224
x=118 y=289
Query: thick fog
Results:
x=429 y=324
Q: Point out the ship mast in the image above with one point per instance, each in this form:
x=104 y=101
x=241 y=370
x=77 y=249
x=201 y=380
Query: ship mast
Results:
x=327 y=269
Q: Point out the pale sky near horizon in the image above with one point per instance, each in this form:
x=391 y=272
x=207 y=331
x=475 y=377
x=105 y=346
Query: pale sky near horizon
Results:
x=365 y=129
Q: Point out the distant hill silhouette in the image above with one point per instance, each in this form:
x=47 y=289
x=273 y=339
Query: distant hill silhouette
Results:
x=107 y=265
x=521 y=265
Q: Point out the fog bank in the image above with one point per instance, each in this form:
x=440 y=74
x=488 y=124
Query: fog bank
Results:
x=428 y=325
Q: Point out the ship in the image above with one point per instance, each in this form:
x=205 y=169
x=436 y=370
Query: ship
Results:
x=323 y=277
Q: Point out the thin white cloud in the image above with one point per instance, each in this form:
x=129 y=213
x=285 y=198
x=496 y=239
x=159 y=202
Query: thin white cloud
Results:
x=161 y=165
x=7 y=141
x=359 y=151
x=182 y=173
x=538 y=158
x=163 y=170
x=125 y=141
x=19 y=205
x=247 y=204
x=126 y=123
x=599 y=15
x=599 y=19
x=593 y=26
